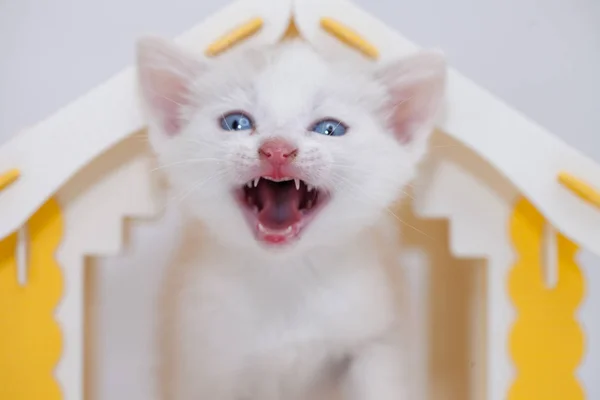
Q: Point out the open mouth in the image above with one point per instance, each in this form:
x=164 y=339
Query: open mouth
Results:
x=278 y=210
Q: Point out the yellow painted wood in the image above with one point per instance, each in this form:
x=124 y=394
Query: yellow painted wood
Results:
x=580 y=188
x=8 y=177
x=30 y=339
x=235 y=36
x=349 y=37
x=292 y=31
x=546 y=342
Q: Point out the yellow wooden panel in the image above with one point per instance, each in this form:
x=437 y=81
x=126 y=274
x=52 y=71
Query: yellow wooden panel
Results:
x=580 y=188
x=8 y=177
x=292 y=31
x=350 y=37
x=234 y=37
x=30 y=339
x=546 y=342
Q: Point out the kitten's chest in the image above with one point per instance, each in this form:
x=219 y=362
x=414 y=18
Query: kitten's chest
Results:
x=283 y=316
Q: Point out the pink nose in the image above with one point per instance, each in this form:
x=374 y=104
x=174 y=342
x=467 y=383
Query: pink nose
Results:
x=277 y=151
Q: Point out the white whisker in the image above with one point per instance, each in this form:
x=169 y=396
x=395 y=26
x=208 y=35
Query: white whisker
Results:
x=225 y=120
x=362 y=192
x=195 y=186
x=187 y=162
x=445 y=146
x=203 y=143
x=380 y=177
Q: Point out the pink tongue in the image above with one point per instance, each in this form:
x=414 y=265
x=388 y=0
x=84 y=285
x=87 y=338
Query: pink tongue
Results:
x=280 y=205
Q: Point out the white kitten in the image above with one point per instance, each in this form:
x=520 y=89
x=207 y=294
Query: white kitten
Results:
x=287 y=159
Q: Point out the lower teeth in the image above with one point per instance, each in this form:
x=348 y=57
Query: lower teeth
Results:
x=266 y=230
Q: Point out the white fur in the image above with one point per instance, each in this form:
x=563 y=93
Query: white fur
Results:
x=260 y=324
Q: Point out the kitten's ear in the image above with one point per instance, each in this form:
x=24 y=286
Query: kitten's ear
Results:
x=416 y=87
x=166 y=75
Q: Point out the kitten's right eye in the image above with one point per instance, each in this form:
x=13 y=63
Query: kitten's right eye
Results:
x=236 y=121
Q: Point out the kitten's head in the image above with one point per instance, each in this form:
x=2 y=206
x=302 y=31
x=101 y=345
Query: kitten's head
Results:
x=282 y=148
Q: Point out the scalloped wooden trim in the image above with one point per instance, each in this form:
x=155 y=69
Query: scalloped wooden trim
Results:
x=546 y=341
x=30 y=338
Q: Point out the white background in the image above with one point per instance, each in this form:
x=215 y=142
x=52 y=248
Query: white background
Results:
x=541 y=56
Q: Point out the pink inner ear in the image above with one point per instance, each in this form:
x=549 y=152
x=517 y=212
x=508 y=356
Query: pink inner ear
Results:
x=166 y=94
x=413 y=108
x=416 y=87
x=405 y=117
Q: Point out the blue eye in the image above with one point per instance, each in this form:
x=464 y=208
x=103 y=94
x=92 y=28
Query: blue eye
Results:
x=330 y=127
x=236 y=121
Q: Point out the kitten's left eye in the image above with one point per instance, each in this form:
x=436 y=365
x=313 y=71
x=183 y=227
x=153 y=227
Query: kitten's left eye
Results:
x=330 y=127
x=236 y=121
